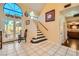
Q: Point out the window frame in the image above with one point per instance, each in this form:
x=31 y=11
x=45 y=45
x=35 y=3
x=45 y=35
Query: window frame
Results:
x=15 y=12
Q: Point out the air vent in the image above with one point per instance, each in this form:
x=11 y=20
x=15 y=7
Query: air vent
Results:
x=67 y=5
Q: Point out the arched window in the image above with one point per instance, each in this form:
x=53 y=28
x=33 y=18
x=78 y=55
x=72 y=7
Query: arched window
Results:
x=12 y=9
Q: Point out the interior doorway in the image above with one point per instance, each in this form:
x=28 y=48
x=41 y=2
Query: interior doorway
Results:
x=72 y=32
x=71 y=18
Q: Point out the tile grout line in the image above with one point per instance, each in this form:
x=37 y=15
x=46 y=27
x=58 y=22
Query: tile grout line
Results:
x=7 y=52
x=56 y=51
x=76 y=53
x=66 y=51
x=15 y=49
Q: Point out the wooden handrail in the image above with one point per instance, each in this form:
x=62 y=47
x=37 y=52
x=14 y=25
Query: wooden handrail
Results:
x=43 y=26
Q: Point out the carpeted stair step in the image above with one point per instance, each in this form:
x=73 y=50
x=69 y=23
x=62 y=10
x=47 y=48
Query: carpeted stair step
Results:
x=38 y=37
x=39 y=34
x=38 y=41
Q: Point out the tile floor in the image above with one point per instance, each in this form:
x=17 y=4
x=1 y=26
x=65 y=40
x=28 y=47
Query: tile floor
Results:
x=42 y=49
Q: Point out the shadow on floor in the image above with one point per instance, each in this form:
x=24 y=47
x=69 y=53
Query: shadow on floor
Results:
x=72 y=43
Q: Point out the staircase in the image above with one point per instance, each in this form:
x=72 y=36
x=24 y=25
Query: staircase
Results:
x=39 y=38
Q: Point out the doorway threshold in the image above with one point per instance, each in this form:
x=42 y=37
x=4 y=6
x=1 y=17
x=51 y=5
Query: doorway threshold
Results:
x=9 y=41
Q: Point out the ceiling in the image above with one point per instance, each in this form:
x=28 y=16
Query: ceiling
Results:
x=71 y=11
x=36 y=7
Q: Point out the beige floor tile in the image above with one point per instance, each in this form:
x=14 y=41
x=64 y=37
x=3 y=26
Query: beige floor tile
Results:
x=42 y=49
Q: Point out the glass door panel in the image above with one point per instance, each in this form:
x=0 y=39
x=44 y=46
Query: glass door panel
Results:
x=18 y=24
x=8 y=30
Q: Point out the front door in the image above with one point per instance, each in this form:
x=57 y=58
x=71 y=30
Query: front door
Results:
x=12 y=29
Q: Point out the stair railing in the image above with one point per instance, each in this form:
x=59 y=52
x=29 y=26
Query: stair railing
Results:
x=42 y=25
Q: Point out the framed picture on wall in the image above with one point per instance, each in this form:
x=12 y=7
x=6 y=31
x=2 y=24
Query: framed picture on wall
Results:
x=50 y=16
x=27 y=22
